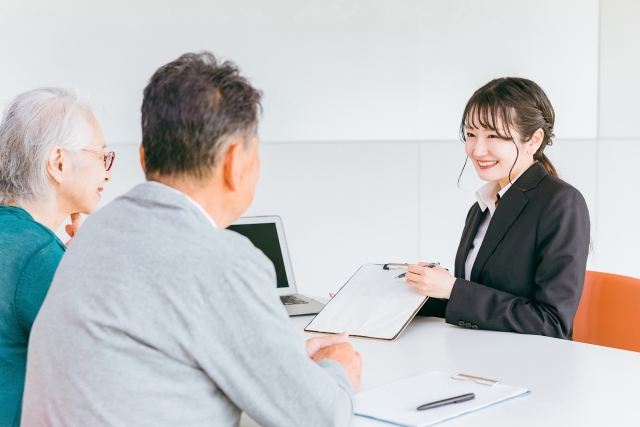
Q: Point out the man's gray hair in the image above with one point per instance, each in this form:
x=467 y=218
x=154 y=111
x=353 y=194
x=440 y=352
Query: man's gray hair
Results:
x=34 y=123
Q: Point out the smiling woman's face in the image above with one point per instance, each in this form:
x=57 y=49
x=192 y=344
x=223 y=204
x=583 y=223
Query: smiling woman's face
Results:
x=492 y=156
x=81 y=192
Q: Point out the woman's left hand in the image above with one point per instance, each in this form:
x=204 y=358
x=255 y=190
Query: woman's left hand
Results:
x=72 y=229
x=434 y=282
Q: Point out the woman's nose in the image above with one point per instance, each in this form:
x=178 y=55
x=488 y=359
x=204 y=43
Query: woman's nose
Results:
x=480 y=148
x=108 y=176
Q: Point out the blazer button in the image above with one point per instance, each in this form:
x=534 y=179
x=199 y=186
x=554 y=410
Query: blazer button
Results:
x=461 y=323
x=468 y=325
x=474 y=327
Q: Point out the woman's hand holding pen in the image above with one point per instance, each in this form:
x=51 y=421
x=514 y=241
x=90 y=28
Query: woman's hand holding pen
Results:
x=434 y=281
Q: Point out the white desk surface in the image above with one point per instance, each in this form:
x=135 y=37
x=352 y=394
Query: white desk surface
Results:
x=572 y=384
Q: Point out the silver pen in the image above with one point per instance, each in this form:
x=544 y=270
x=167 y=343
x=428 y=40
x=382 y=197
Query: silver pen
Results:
x=430 y=265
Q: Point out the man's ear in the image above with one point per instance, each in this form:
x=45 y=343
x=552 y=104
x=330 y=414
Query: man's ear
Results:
x=57 y=164
x=142 y=163
x=232 y=165
x=535 y=141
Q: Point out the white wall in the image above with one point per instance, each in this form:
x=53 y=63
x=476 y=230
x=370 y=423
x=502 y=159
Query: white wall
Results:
x=332 y=70
x=362 y=105
x=619 y=144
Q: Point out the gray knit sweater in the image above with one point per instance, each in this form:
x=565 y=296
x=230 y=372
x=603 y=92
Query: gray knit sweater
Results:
x=156 y=318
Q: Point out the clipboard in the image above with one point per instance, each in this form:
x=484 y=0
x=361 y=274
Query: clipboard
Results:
x=372 y=304
x=396 y=403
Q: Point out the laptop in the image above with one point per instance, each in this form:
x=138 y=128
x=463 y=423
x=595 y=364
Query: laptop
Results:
x=267 y=234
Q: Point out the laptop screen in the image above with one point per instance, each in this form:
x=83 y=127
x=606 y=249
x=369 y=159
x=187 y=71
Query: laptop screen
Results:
x=265 y=237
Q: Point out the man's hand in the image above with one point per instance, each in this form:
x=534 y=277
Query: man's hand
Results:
x=72 y=229
x=345 y=355
x=316 y=344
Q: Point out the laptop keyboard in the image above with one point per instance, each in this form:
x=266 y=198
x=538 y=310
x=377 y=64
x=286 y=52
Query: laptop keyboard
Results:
x=291 y=300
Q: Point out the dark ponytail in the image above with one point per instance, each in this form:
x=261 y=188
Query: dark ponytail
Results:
x=544 y=160
x=523 y=108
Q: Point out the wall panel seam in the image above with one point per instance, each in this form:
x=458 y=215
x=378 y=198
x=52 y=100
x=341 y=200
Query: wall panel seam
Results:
x=419 y=199
x=598 y=120
x=426 y=141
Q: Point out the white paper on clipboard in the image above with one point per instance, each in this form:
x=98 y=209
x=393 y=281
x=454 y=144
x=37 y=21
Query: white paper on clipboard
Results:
x=372 y=304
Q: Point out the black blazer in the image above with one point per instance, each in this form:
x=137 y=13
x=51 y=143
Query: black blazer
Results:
x=529 y=272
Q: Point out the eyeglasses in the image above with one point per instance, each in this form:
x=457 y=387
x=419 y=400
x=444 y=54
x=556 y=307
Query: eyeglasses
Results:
x=108 y=158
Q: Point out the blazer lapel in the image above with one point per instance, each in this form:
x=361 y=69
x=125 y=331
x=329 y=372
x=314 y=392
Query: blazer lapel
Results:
x=507 y=212
x=470 y=230
x=511 y=205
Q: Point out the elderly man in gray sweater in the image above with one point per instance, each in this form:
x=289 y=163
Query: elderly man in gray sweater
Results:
x=157 y=315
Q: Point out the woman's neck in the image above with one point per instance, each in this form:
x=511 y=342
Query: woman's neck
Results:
x=48 y=214
x=516 y=173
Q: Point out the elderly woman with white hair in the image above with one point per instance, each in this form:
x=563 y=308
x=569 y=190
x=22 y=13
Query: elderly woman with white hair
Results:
x=52 y=166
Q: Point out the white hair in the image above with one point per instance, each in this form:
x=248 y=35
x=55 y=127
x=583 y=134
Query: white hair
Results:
x=35 y=122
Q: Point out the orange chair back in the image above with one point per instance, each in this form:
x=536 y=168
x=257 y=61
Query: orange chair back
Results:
x=609 y=311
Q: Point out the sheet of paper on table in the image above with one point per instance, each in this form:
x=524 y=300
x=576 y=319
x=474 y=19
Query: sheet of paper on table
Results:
x=396 y=402
x=372 y=304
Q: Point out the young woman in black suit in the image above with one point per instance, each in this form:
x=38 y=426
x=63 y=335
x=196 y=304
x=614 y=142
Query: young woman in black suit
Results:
x=521 y=262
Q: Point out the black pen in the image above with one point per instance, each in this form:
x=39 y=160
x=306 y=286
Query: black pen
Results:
x=431 y=265
x=449 y=401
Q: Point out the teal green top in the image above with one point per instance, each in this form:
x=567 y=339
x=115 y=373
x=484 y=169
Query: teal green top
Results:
x=29 y=256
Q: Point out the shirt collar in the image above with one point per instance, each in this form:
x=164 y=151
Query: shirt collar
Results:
x=200 y=208
x=487 y=195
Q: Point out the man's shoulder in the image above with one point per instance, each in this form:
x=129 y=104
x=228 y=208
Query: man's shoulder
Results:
x=161 y=230
x=233 y=248
x=174 y=231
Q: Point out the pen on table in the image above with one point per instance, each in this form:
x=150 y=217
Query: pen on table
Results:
x=449 y=401
x=431 y=265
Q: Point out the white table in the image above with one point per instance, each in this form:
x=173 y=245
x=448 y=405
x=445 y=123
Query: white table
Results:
x=572 y=384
